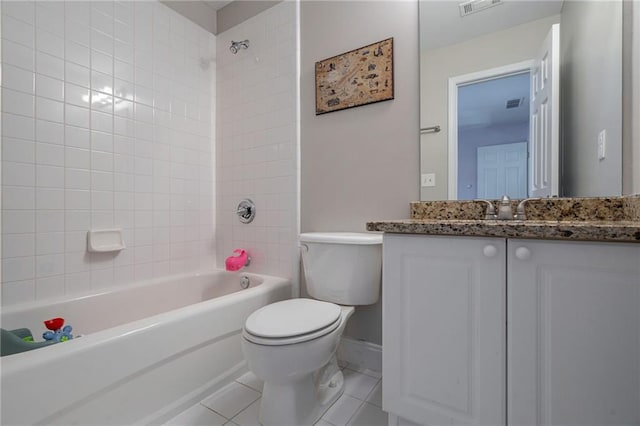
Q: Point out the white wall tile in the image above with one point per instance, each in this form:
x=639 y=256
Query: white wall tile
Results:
x=77 y=199
x=17 y=102
x=50 y=176
x=49 y=265
x=17 y=54
x=17 y=126
x=17 y=79
x=18 y=245
x=49 y=43
x=50 y=221
x=17 y=291
x=50 y=16
x=77 y=116
x=47 y=109
x=77 y=53
x=48 y=87
x=18 y=174
x=18 y=150
x=18 y=268
x=82 y=148
x=18 y=197
x=50 y=199
x=50 y=287
x=50 y=132
x=23 y=10
x=18 y=221
x=49 y=243
x=49 y=65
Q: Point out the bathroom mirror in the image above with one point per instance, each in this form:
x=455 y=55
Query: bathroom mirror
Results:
x=482 y=63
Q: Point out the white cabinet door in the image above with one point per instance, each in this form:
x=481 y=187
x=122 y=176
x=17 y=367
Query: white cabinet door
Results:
x=574 y=333
x=444 y=329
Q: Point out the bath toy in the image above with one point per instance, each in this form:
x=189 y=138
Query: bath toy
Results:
x=19 y=340
x=57 y=333
x=235 y=263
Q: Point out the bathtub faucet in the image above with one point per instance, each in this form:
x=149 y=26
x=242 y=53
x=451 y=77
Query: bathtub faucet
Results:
x=235 y=263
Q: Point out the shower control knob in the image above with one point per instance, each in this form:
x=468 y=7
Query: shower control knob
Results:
x=246 y=211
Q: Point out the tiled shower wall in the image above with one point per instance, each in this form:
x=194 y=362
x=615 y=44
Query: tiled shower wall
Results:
x=257 y=140
x=107 y=121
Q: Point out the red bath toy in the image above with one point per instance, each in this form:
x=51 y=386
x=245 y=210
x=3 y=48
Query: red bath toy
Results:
x=54 y=324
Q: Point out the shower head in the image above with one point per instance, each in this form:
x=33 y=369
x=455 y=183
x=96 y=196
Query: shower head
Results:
x=237 y=45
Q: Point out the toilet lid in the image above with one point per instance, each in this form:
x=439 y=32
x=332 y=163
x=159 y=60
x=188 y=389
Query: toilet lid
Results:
x=291 y=318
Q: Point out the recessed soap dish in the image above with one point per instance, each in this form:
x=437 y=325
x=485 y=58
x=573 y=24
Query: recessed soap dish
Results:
x=105 y=240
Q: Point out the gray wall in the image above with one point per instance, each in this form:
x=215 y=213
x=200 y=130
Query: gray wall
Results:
x=361 y=163
x=591 y=96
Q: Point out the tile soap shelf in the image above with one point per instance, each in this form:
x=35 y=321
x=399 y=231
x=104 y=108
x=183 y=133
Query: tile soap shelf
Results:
x=105 y=240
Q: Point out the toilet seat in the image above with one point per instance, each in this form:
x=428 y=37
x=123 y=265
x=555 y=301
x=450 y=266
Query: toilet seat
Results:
x=291 y=321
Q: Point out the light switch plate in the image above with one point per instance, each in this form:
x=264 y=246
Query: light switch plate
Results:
x=602 y=144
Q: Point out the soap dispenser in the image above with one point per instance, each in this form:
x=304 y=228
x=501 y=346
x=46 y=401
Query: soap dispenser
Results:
x=504 y=209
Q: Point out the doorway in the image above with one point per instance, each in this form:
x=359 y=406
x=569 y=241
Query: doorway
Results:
x=492 y=120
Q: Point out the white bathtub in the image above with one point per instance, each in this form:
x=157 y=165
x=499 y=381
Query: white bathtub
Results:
x=148 y=351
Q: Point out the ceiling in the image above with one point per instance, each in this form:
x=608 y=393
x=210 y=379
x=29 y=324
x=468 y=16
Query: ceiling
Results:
x=202 y=12
x=484 y=104
x=441 y=23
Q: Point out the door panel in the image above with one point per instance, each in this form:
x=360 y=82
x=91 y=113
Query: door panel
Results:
x=574 y=333
x=444 y=329
x=544 y=166
x=502 y=169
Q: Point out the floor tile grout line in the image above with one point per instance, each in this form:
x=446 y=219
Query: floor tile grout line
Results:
x=355 y=412
x=214 y=411
x=247 y=386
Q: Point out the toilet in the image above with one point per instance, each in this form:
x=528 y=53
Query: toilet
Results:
x=291 y=345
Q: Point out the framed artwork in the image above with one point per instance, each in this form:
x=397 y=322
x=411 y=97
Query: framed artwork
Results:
x=359 y=77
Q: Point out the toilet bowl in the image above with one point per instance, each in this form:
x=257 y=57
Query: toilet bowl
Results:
x=300 y=371
x=291 y=345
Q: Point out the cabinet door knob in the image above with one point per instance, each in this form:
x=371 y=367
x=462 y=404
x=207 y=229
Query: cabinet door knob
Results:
x=490 y=250
x=523 y=253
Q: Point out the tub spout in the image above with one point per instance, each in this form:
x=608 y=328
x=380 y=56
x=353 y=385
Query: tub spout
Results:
x=235 y=263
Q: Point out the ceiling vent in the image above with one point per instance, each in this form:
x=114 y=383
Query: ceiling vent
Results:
x=514 y=103
x=473 y=6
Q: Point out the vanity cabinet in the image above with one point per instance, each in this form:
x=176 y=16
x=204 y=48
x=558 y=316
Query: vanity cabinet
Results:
x=491 y=331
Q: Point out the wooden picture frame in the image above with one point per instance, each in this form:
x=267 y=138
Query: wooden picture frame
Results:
x=358 y=77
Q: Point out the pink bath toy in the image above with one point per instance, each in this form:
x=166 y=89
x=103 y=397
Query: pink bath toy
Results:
x=235 y=263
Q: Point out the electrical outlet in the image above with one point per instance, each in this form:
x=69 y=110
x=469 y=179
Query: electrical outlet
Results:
x=428 y=179
x=602 y=144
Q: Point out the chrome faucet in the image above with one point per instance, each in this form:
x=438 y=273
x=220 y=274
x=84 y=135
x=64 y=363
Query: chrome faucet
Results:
x=504 y=209
x=490 y=214
x=520 y=211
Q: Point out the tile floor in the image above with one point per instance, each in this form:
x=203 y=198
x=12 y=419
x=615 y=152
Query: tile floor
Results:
x=237 y=404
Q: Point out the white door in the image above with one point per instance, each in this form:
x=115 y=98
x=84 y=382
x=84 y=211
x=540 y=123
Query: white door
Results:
x=443 y=307
x=502 y=169
x=545 y=112
x=573 y=333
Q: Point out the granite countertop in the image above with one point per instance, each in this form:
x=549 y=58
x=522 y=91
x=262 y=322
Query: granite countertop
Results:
x=578 y=219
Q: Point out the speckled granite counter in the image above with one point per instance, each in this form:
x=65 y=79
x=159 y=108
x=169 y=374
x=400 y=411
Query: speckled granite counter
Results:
x=581 y=219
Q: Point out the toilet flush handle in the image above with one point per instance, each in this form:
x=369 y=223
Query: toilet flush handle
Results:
x=304 y=247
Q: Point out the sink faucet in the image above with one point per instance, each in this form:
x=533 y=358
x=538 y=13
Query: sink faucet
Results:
x=504 y=209
x=520 y=211
x=490 y=213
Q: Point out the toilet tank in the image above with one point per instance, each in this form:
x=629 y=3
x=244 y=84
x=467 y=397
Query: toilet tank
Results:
x=342 y=267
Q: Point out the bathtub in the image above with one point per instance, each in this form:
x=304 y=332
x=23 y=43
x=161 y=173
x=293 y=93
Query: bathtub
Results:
x=147 y=351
